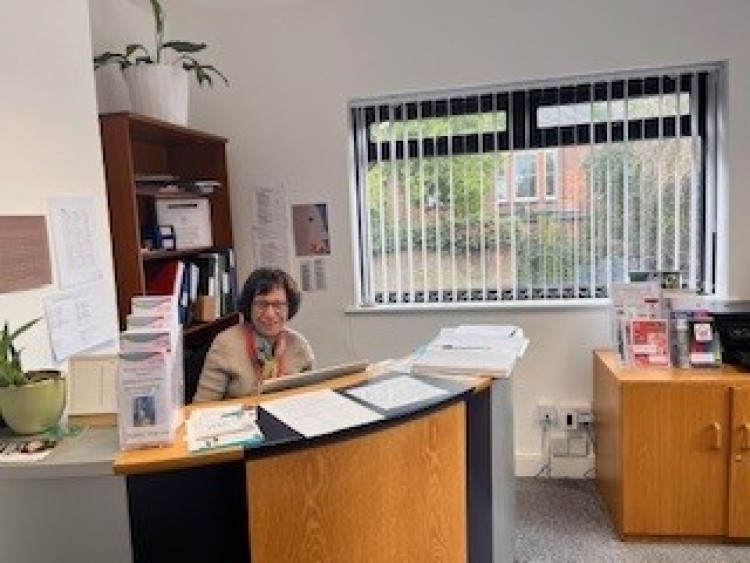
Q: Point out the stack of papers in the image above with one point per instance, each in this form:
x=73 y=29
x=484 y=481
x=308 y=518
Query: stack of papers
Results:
x=218 y=427
x=472 y=350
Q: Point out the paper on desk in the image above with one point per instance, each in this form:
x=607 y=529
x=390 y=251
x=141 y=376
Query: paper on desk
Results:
x=480 y=336
x=498 y=331
x=317 y=413
x=217 y=427
x=455 y=361
x=396 y=392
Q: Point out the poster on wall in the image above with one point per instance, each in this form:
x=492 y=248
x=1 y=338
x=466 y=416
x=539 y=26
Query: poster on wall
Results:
x=74 y=237
x=270 y=227
x=310 y=225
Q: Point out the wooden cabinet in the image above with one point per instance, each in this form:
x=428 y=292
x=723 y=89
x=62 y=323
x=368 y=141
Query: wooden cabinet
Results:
x=673 y=449
x=134 y=146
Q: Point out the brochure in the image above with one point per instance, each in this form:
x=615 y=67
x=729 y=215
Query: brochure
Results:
x=649 y=342
x=217 y=427
x=704 y=348
x=21 y=451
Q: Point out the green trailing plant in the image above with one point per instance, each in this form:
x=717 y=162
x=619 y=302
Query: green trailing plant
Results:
x=11 y=372
x=137 y=53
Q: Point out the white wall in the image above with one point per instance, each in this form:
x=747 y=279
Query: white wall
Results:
x=49 y=139
x=114 y=24
x=294 y=65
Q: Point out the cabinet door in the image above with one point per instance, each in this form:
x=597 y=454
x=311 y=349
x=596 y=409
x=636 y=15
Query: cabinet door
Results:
x=739 y=465
x=675 y=444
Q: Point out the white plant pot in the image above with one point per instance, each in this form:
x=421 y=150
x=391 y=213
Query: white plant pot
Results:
x=159 y=91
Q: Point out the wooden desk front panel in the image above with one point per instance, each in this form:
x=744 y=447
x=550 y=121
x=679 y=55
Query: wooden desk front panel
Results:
x=393 y=495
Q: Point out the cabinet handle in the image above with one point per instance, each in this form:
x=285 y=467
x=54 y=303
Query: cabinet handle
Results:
x=745 y=443
x=716 y=442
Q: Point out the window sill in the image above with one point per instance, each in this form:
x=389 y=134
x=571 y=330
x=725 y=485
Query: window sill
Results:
x=410 y=308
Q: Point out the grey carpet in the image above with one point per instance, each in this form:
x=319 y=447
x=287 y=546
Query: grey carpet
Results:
x=563 y=520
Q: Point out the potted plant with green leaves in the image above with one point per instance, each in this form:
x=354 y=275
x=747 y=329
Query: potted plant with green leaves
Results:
x=30 y=401
x=157 y=78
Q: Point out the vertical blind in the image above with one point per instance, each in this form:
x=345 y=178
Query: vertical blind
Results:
x=535 y=192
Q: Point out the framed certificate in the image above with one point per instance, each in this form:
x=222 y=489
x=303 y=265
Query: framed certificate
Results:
x=190 y=218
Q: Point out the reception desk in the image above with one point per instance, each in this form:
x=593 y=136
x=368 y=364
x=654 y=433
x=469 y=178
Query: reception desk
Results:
x=428 y=482
x=418 y=485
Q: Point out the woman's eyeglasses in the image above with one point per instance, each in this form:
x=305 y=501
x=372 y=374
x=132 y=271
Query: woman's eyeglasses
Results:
x=277 y=306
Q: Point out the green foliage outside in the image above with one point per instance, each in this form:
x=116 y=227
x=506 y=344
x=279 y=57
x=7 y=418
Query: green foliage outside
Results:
x=449 y=205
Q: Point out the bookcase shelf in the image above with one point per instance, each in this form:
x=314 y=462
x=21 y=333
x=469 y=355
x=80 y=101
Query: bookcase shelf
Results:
x=147 y=255
x=136 y=147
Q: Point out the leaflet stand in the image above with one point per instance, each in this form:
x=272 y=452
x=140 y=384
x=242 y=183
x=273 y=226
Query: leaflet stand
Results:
x=150 y=378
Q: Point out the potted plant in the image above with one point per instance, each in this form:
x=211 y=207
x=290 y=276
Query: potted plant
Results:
x=158 y=79
x=30 y=401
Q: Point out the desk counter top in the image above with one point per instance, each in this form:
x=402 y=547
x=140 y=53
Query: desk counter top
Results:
x=88 y=454
x=176 y=456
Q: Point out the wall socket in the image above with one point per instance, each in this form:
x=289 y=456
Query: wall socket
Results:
x=572 y=416
x=546 y=413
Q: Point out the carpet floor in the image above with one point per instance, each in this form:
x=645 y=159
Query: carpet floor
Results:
x=563 y=520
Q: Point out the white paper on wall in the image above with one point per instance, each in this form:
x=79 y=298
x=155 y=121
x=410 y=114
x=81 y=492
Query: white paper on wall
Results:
x=270 y=222
x=74 y=237
x=80 y=318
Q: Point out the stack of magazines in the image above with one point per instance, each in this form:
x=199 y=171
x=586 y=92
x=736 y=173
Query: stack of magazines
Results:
x=217 y=427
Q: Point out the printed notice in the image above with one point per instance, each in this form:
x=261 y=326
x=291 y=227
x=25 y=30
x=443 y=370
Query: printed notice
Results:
x=74 y=236
x=270 y=226
x=79 y=319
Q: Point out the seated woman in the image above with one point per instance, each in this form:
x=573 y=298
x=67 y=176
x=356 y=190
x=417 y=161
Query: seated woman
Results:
x=261 y=346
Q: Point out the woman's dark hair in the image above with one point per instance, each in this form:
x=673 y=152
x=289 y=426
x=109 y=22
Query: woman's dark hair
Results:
x=265 y=280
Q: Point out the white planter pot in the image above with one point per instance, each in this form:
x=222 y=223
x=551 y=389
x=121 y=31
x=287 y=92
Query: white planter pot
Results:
x=159 y=91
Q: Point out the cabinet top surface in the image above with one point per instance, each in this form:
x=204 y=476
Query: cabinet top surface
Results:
x=724 y=374
x=150 y=129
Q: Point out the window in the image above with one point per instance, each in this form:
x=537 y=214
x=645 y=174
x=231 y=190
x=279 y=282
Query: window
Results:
x=550 y=174
x=524 y=165
x=535 y=192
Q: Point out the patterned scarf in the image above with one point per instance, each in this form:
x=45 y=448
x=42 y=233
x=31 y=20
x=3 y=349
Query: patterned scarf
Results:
x=266 y=356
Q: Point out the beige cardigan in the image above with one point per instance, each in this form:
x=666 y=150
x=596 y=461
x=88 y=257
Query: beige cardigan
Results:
x=228 y=371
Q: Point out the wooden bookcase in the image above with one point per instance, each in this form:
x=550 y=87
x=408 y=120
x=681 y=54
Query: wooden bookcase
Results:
x=134 y=145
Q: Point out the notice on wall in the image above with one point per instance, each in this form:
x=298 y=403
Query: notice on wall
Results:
x=312 y=275
x=80 y=318
x=25 y=252
x=74 y=237
x=271 y=227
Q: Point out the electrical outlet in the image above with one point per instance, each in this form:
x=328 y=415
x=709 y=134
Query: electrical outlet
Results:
x=585 y=417
x=546 y=413
x=569 y=417
x=573 y=415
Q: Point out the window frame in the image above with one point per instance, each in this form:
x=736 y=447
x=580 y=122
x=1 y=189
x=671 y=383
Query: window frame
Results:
x=520 y=129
